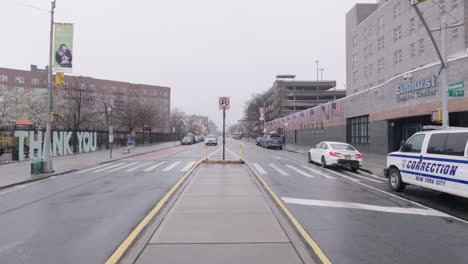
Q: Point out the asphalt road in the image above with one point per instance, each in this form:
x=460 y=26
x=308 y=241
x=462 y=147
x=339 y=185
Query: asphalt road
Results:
x=354 y=217
x=82 y=217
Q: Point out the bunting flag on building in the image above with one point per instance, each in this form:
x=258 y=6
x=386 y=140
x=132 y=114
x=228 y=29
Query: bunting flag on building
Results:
x=336 y=109
x=313 y=115
x=326 y=111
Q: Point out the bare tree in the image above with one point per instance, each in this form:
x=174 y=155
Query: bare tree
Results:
x=252 y=113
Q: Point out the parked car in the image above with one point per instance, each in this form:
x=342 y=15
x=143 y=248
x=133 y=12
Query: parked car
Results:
x=436 y=159
x=211 y=140
x=329 y=153
x=259 y=141
x=273 y=140
x=188 y=140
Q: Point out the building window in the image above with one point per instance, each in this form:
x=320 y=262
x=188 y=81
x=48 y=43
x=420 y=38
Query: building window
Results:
x=413 y=49
x=35 y=81
x=145 y=92
x=20 y=89
x=420 y=25
x=19 y=79
x=397 y=33
x=397 y=56
x=370 y=49
x=380 y=43
x=421 y=46
x=113 y=89
x=380 y=24
x=370 y=69
x=454 y=4
x=355 y=60
x=366 y=33
x=358 y=128
x=365 y=71
x=123 y=89
x=412 y=25
x=3 y=78
x=396 y=10
x=455 y=33
x=442 y=6
x=366 y=54
x=380 y=65
x=355 y=76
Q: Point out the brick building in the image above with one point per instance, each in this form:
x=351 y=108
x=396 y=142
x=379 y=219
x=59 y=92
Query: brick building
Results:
x=96 y=92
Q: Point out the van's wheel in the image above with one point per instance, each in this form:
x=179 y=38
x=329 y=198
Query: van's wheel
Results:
x=394 y=180
x=323 y=162
x=309 y=158
x=354 y=169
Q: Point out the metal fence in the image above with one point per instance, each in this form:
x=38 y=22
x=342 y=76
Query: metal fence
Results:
x=9 y=145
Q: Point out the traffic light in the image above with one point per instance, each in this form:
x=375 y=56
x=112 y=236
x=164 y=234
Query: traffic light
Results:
x=436 y=115
x=59 y=79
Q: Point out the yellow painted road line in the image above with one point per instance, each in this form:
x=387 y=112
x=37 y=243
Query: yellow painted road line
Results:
x=315 y=247
x=134 y=234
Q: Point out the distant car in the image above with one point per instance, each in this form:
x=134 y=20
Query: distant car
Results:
x=188 y=140
x=272 y=141
x=211 y=140
x=259 y=141
x=329 y=153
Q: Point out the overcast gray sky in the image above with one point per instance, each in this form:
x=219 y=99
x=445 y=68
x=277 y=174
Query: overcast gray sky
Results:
x=202 y=49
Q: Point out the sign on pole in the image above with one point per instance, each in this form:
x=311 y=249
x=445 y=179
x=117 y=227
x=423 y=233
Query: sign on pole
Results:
x=224 y=102
x=63 y=47
x=454 y=89
x=261 y=110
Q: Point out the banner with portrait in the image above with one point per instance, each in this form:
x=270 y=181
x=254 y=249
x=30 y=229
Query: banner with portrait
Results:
x=62 y=57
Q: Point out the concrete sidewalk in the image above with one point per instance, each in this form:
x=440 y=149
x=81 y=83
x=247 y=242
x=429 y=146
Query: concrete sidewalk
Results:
x=371 y=163
x=20 y=172
x=220 y=217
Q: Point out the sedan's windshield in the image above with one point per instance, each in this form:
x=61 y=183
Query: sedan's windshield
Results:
x=187 y=138
x=342 y=147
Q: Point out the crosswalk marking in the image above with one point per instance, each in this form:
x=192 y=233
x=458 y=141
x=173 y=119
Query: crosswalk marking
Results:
x=282 y=172
x=372 y=175
x=319 y=173
x=344 y=176
x=188 y=166
x=170 y=167
x=121 y=167
x=299 y=171
x=363 y=177
x=139 y=166
x=259 y=168
x=155 y=166
x=93 y=168
x=115 y=165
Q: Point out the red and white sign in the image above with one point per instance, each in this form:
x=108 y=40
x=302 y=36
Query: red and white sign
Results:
x=224 y=102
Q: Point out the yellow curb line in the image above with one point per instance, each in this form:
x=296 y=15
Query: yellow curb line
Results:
x=315 y=247
x=134 y=234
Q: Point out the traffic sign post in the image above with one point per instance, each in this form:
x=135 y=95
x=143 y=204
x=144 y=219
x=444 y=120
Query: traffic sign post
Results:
x=454 y=89
x=224 y=103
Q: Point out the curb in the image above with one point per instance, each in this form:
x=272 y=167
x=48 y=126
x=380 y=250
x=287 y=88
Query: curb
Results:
x=69 y=171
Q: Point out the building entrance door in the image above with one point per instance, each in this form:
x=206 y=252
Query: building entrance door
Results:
x=410 y=129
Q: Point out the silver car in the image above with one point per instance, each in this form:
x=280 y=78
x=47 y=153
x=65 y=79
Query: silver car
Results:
x=211 y=140
x=272 y=141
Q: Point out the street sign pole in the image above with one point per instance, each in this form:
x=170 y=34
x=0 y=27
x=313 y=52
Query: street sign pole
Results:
x=224 y=132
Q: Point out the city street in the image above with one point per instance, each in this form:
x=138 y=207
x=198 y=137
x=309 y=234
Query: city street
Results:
x=354 y=218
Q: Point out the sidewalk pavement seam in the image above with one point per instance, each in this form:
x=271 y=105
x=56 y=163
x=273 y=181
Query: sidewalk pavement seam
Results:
x=69 y=171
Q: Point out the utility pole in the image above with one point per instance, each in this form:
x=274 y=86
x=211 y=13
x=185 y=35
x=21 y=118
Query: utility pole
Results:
x=111 y=128
x=224 y=133
x=317 y=81
x=442 y=54
x=48 y=165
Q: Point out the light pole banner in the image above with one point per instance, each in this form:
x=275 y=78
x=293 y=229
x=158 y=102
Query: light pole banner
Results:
x=261 y=110
x=63 y=47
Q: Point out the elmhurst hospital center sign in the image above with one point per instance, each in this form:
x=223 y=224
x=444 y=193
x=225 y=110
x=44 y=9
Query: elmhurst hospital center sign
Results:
x=422 y=88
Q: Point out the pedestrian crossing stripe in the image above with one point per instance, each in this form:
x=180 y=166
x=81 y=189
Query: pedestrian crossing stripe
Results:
x=155 y=166
x=139 y=166
x=280 y=171
x=106 y=168
x=170 y=167
x=121 y=167
x=188 y=166
x=259 y=168
x=300 y=171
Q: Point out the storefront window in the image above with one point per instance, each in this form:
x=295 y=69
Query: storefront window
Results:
x=358 y=128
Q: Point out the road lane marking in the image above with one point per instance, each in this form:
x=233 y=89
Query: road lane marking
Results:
x=106 y=168
x=282 y=172
x=121 y=167
x=319 y=173
x=363 y=177
x=170 y=167
x=369 y=207
x=155 y=166
x=139 y=166
x=300 y=171
x=259 y=168
x=188 y=166
x=93 y=168
x=371 y=175
x=343 y=176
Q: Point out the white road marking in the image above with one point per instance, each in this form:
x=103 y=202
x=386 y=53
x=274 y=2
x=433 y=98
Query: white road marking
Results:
x=299 y=171
x=319 y=173
x=188 y=166
x=282 y=172
x=363 y=177
x=106 y=168
x=259 y=168
x=387 y=209
x=372 y=175
x=93 y=168
x=344 y=176
x=121 y=167
x=139 y=166
x=155 y=166
x=170 y=167
x=7 y=191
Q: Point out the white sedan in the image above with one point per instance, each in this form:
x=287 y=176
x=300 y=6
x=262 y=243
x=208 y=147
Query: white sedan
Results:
x=329 y=153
